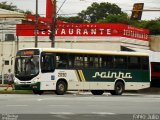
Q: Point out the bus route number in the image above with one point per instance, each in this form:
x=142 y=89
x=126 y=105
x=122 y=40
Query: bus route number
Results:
x=62 y=74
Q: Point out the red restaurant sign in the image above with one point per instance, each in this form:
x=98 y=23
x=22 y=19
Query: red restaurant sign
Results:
x=69 y=29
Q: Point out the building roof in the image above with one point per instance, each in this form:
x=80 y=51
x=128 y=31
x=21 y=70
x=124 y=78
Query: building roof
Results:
x=10 y=14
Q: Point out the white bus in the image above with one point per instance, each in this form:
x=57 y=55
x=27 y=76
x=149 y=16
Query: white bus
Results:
x=61 y=70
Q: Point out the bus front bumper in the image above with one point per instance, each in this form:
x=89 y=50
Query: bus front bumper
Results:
x=35 y=86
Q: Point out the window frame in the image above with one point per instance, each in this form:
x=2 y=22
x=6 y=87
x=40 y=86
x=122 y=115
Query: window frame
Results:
x=52 y=67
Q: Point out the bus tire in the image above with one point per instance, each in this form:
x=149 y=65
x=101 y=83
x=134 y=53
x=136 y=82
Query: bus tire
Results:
x=97 y=92
x=61 y=88
x=40 y=92
x=118 y=89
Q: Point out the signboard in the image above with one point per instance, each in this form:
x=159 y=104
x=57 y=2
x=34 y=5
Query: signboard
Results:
x=137 y=11
x=69 y=29
x=28 y=52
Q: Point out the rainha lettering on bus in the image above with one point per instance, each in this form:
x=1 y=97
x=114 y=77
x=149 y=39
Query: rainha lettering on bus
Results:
x=110 y=74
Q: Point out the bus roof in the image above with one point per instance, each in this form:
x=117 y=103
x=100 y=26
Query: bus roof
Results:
x=83 y=51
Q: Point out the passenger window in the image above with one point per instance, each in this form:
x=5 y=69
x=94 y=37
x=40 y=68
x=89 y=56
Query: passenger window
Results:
x=78 y=61
x=145 y=63
x=61 y=60
x=71 y=60
x=86 y=61
x=134 y=62
x=107 y=62
x=93 y=61
x=120 y=62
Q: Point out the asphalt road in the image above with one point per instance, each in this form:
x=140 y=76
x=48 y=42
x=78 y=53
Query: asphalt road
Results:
x=78 y=107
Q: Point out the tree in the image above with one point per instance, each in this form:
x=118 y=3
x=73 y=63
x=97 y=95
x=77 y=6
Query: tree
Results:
x=5 y=5
x=112 y=18
x=73 y=19
x=153 y=26
x=11 y=7
x=141 y=23
x=26 y=12
x=99 y=11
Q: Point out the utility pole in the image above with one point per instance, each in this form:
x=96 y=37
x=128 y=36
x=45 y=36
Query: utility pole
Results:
x=53 y=25
x=36 y=26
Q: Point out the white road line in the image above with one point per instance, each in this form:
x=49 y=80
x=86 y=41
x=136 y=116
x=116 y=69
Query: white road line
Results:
x=40 y=99
x=103 y=113
x=58 y=105
x=71 y=113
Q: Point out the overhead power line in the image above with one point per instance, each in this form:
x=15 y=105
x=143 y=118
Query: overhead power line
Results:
x=61 y=6
x=151 y=10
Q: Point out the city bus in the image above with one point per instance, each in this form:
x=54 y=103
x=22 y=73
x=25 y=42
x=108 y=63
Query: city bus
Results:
x=97 y=71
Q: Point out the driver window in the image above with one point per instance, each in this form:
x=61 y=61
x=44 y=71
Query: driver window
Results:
x=47 y=62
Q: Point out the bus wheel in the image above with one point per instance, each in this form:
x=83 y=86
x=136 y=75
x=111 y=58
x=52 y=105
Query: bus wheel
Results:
x=119 y=88
x=97 y=92
x=40 y=92
x=61 y=88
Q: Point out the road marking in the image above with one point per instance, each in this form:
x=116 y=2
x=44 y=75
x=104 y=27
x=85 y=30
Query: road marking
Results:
x=16 y=105
x=40 y=99
x=58 y=105
x=71 y=113
x=103 y=113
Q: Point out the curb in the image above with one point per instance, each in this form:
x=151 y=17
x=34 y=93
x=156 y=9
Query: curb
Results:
x=152 y=90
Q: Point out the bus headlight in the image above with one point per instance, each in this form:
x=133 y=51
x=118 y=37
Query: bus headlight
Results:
x=35 y=80
x=16 y=81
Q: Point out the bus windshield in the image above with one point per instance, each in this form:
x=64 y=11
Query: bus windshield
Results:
x=26 y=67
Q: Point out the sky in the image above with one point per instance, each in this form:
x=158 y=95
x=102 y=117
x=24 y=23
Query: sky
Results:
x=72 y=7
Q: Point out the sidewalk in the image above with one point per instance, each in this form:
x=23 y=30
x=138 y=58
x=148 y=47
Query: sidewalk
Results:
x=2 y=87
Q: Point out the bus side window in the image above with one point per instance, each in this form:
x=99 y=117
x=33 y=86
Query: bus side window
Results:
x=85 y=61
x=78 y=61
x=120 y=62
x=96 y=62
x=103 y=62
x=71 y=58
x=61 y=61
x=47 y=62
x=134 y=62
x=100 y=62
x=107 y=62
x=91 y=61
x=145 y=63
